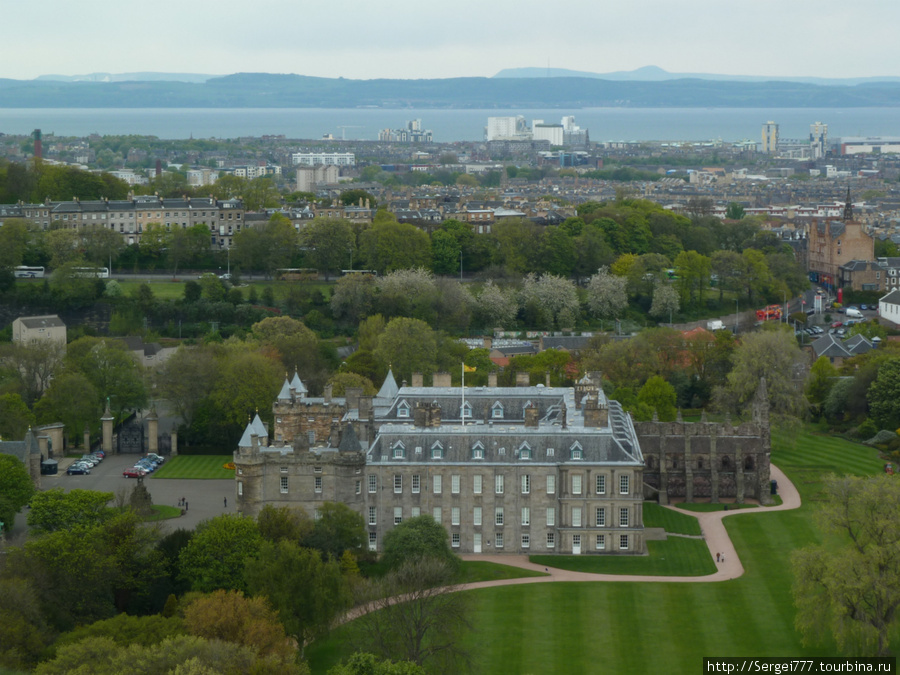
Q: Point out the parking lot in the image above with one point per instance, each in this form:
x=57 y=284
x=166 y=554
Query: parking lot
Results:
x=205 y=498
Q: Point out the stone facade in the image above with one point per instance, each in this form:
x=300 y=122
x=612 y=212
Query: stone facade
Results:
x=833 y=243
x=504 y=469
x=706 y=460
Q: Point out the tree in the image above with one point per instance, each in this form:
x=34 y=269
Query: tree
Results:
x=445 y=253
x=417 y=538
x=231 y=617
x=884 y=395
x=25 y=632
x=72 y=400
x=427 y=627
x=308 y=592
x=295 y=345
x=337 y=529
x=659 y=395
x=278 y=523
x=734 y=211
x=186 y=245
x=187 y=378
x=13 y=242
x=15 y=418
x=340 y=382
x=362 y=663
x=822 y=376
x=851 y=591
x=71 y=287
x=773 y=355
x=607 y=297
x=56 y=509
x=665 y=301
x=330 y=245
x=755 y=273
x=16 y=489
x=34 y=364
x=112 y=370
x=408 y=292
x=247 y=381
x=495 y=307
x=101 y=245
x=215 y=555
x=388 y=245
x=407 y=346
x=693 y=270
x=353 y=297
x=550 y=299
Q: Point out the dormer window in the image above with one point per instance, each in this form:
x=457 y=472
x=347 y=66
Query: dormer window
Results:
x=403 y=409
x=478 y=451
x=577 y=451
x=524 y=451
x=437 y=451
x=467 y=410
x=398 y=451
x=497 y=411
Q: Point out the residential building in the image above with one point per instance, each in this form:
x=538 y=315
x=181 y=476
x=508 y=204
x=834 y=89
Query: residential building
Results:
x=833 y=243
x=326 y=158
x=770 y=138
x=818 y=140
x=310 y=177
x=32 y=329
x=506 y=129
x=889 y=307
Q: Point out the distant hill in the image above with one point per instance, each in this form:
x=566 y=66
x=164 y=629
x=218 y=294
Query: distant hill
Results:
x=266 y=90
x=128 y=77
x=657 y=74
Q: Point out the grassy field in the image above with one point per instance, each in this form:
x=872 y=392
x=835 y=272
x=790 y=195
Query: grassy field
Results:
x=671 y=521
x=661 y=627
x=195 y=466
x=163 y=512
x=675 y=557
x=476 y=570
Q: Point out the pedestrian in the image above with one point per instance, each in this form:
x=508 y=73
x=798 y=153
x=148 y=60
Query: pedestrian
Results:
x=185 y=506
x=226 y=502
x=717 y=556
x=723 y=557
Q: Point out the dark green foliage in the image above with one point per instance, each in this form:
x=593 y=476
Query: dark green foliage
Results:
x=417 y=538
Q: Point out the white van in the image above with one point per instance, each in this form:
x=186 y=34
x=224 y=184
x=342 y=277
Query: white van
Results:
x=854 y=313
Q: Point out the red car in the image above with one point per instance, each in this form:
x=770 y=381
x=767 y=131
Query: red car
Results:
x=134 y=473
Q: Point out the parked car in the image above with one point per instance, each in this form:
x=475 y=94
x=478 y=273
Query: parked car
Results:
x=159 y=459
x=77 y=469
x=837 y=324
x=864 y=307
x=841 y=332
x=134 y=473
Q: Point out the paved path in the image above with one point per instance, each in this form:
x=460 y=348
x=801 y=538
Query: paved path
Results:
x=710 y=524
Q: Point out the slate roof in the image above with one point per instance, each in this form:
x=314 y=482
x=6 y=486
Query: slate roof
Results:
x=892 y=298
x=46 y=321
x=828 y=345
x=23 y=449
x=858 y=344
x=389 y=389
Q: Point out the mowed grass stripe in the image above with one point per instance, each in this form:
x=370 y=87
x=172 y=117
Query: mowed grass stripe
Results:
x=671 y=521
x=196 y=466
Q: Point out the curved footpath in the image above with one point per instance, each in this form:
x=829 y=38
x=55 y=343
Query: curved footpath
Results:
x=710 y=525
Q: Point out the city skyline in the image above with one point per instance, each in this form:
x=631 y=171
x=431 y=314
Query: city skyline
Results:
x=410 y=40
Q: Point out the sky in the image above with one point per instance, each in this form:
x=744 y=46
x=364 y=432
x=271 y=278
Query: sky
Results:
x=366 y=39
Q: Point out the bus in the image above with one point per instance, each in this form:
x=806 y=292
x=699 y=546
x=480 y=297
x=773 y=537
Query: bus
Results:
x=26 y=272
x=91 y=272
x=768 y=313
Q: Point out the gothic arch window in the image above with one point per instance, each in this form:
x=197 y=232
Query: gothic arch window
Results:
x=726 y=464
x=748 y=463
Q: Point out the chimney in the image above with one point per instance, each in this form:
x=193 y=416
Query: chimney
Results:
x=492 y=379
x=547 y=380
x=488 y=342
x=442 y=380
x=563 y=417
x=435 y=415
x=365 y=407
x=522 y=380
x=334 y=435
x=420 y=415
x=327 y=394
x=594 y=415
x=418 y=380
x=352 y=394
x=531 y=417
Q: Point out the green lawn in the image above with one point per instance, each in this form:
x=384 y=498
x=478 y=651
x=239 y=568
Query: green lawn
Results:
x=671 y=521
x=676 y=556
x=661 y=627
x=706 y=507
x=195 y=466
x=163 y=512
x=474 y=571
x=163 y=290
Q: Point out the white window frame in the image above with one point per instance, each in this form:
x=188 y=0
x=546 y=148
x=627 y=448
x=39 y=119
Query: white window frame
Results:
x=600 y=517
x=551 y=516
x=373 y=515
x=623 y=542
x=498 y=516
x=398 y=515
x=454 y=540
x=623 y=517
x=498 y=540
x=551 y=484
x=526 y=515
x=454 y=515
x=624 y=484
x=601 y=542
x=477 y=483
x=576 y=484
x=437 y=513
x=437 y=483
x=551 y=540
x=526 y=540
x=373 y=541
x=284 y=485
x=526 y=484
x=318 y=484
x=416 y=484
x=498 y=484
x=601 y=484
x=373 y=483
x=476 y=516
x=454 y=484
x=398 y=483
x=576 y=516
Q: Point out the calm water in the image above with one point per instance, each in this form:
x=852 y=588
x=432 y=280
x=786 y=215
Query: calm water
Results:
x=619 y=124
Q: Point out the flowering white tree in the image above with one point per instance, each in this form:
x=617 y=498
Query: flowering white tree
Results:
x=409 y=292
x=665 y=301
x=495 y=307
x=607 y=294
x=550 y=297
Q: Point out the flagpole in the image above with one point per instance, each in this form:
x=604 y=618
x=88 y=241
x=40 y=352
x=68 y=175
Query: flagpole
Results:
x=462 y=410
